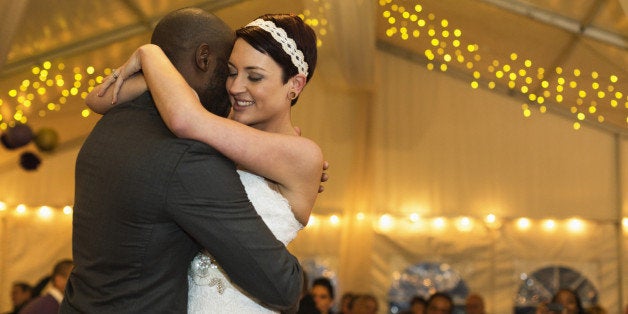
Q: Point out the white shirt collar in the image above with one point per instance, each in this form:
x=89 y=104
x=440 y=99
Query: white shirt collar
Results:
x=55 y=293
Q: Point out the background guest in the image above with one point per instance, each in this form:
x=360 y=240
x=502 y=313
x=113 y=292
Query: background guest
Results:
x=345 y=301
x=363 y=304
x=21 y=293
x=596 y=309
x=440 y=303
x=565 y=301
x=417 y=305
x=49 y=302
x=322 y=292
x=474 y=304
x=306 y=304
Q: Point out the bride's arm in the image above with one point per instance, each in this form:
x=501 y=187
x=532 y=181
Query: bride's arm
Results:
x=294 y=162
x=99 y=100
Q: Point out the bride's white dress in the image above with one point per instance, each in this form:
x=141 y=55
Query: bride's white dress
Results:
x=210 y=291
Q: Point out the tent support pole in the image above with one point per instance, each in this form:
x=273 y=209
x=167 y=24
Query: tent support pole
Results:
x=618 y=223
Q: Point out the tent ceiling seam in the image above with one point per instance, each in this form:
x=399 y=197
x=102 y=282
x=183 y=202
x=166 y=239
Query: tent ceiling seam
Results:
x=145 y=25
x=580 y=28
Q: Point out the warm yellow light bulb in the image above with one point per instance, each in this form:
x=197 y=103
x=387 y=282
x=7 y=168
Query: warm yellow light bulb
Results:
x=581 y=116
x=490 y=218
x=386 y=222
x=20 y=209
x=45 y=212
x=524 y=223
x=439 y=223
x=464 y=224
x=549 y=225
x=575 y=225
x=414 y=217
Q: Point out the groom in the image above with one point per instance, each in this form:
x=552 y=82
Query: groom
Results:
x=146 y=202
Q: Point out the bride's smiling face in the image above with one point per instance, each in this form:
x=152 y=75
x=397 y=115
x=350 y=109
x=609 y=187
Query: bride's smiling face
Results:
x=257 y=93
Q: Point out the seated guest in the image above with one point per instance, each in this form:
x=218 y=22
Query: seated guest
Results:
x=596 y=309
x=417 y=305
x=344 y=302
x=48 y=303
x=440 y=303
x=21 y=293
x=363 y=304
x=322 y=292
x=565 y=301
x=474 y=304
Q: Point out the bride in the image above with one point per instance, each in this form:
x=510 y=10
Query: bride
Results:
x=272 y=60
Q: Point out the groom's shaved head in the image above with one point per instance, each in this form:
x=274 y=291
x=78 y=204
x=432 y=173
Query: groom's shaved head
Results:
x=198 y=44
x=180 y=32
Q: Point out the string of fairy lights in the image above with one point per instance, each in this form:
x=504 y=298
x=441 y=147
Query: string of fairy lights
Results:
x=385 y=223
x=517 y=72
x=316 y=17
x=48 y=88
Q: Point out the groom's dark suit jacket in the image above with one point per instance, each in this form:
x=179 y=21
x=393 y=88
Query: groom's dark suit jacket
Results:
x=146 y=202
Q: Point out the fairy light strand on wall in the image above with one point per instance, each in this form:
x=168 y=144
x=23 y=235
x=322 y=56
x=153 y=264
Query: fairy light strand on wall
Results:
x=385 y=223
x=413 y=223
x=41 y=212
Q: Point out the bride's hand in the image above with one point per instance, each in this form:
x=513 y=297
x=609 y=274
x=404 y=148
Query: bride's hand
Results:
x=324 y=175
x=119 y=75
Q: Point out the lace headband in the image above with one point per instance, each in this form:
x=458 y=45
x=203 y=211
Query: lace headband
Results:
x=287 y=43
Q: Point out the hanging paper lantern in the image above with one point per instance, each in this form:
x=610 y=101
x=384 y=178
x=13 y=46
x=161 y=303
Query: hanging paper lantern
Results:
x=17 y=136
x=46 y=139
x=29 y=161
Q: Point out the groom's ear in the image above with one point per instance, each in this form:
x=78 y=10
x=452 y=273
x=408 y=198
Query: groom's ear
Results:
x=203 y=57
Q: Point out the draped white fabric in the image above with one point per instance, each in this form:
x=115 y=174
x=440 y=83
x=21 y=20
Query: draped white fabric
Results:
x=401 y=140
x=353 y=38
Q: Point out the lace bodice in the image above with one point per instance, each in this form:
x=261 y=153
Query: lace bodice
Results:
x=271 y=206
x=209 y=289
